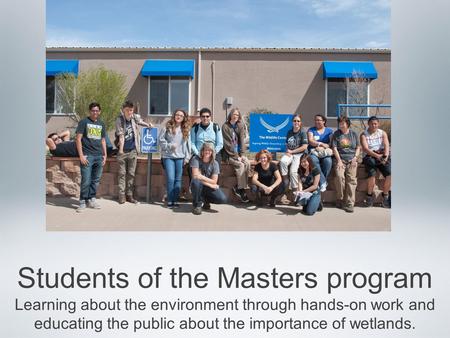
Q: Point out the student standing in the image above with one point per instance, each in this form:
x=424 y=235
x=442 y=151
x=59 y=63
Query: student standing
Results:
x=174 y=142
x=206 y=131
x=91 y=147
x=128 y=144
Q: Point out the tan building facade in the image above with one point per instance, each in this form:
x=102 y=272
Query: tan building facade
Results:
x=284 y=81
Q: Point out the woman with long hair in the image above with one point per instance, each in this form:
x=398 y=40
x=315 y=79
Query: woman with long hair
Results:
x=319 y=138
x=205 y=173
x=174 y=142
x=308 y=194
x=267 y=179
x=234 y=147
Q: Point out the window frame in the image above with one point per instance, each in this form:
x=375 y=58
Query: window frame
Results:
x=347 y=80
x=187 y=78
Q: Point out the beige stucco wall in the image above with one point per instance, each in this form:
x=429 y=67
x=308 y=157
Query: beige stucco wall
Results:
x=284 y=82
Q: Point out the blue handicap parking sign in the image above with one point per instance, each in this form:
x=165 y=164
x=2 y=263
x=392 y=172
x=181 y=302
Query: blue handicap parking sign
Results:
x=268 y=131
x=149 y=140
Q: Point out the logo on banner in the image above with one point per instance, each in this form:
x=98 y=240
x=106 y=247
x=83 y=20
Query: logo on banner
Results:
x=274 y=129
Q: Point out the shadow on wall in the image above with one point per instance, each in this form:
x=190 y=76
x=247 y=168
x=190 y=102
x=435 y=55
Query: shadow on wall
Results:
x=313 y=102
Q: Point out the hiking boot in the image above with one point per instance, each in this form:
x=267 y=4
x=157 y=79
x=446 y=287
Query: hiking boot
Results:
x=93 y=204
x=348 y=208
x=339 y=204
x=121 y=199
x=386 y=202
x=131 y=199
x=206 y=206
x=197 y=211
x=369 y=201
x=81 y=207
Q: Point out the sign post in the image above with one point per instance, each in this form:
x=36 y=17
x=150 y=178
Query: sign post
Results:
x=149 y=145
x=268 y=131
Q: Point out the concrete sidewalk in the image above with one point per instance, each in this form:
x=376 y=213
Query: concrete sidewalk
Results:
x=61 y=216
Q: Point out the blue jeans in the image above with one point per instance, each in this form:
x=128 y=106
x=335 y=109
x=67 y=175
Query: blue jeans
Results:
x=202 y=193
x=324 y=164
x=90 y=176
x=174 y=174
x=312 y=204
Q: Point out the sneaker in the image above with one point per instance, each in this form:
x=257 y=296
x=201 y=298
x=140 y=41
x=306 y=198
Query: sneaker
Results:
x=170 y=205
x=348 y=208
x=206 y=206
x=197 y=211
x=369 y=201
x=121 y=199
x=244 y=197
x=131 y=199
x=93 y=204
x=81 y=207
x=323 y=187
x=386 y=202
x=176 y=205
x=339 y=204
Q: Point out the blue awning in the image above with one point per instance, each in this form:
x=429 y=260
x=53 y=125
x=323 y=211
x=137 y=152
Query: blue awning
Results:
x=55 y=67
x=344 y=69
x=168 y=68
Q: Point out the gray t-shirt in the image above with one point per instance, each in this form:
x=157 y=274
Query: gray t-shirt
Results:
x=207 y=169
x=345 y=144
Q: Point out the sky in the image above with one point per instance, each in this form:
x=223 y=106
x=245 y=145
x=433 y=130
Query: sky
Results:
x=226 y=23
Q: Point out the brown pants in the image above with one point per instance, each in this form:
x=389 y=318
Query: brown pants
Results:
x=346 y=183
x=241 y=169
x=127 y=169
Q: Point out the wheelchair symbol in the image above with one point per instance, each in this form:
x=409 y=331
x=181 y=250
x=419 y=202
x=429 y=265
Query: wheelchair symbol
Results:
x=148 y=138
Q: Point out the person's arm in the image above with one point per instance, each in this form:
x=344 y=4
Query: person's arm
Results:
x=65 y=135
x=300 y=149
x=120 y=133
x=83 y=159
x=278 y=179
x=227 y=142
x=311 y=140
x=163 y=144
x=141 y=122
x=315 y=184
x=339 y=163
x=194 y=149
x=105 y=154
x=50 y=143
x=210 y=182
x=219 y=140
x=387 y=146
x=357 y=151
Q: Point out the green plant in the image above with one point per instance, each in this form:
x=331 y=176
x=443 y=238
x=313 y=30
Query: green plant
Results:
x=107 y=87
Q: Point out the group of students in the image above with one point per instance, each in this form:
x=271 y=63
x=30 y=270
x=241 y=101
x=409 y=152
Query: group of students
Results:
x=202 y=147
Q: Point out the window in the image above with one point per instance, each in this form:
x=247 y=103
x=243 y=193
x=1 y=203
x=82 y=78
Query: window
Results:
x=347 y=91
x=54 y=103
x=168 y=93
